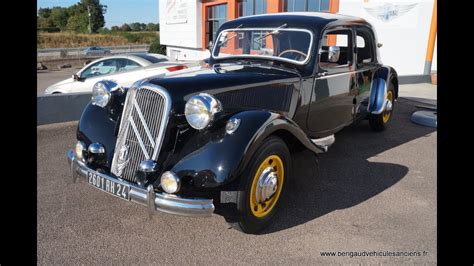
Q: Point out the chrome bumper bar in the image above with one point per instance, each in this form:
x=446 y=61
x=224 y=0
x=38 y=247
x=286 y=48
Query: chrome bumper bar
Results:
x=154 y=201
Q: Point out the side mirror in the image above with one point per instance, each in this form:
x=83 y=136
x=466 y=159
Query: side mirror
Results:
x=209 y=47
x=379 y=45
x=333 y=54
x=75 y=77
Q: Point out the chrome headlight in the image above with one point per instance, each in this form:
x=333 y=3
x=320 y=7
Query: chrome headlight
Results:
x=200 y=110
x=170 y=182
x=101 y=92
x=79 y=150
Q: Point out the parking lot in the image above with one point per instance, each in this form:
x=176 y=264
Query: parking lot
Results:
x=373 y=192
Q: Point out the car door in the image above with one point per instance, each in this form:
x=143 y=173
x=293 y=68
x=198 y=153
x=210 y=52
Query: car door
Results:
x=94 y=73
x=366 y=64
x=332 y=101
x=128 y=71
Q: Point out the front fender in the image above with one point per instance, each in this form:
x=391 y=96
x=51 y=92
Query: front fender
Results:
x=96 y=125
x=224 y=156
x=378 y=89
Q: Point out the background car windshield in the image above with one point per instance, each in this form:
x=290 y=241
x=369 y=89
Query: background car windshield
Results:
x=153 y=59
x=285 y=44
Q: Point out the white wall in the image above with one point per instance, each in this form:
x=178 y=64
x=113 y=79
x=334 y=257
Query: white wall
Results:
x=404 y=36
x=180 y=23
x=186 y=54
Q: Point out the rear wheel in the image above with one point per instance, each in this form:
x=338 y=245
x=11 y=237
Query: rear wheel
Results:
x=262 y=186
x=378 y=122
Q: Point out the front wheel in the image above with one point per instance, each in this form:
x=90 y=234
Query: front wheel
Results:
x=262 y=185
x=378 y=122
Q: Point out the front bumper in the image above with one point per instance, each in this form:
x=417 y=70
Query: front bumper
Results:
x=154 y=201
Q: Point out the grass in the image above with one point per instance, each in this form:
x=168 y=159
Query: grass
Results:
x=74 y=40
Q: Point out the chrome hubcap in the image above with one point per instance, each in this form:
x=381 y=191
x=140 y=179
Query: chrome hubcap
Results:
x=388 y=106
x=267 y=185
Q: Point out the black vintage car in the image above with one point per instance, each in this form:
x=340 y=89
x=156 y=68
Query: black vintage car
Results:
x=222 y=133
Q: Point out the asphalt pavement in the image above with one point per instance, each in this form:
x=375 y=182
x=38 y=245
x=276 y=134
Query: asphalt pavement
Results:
x=372 y=192
x=46 y=78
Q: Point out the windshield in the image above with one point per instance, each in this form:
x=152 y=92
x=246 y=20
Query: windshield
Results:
x=291 y=45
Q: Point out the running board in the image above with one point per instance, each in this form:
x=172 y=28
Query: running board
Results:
x=324 y=143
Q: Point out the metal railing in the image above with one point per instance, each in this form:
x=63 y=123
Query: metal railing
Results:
x=56 y=52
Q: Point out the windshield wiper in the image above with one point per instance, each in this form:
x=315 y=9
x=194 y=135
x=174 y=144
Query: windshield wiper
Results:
x=274 y=32
x=232 y=37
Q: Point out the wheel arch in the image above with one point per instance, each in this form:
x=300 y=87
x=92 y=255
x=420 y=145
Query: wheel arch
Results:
x=223 y=160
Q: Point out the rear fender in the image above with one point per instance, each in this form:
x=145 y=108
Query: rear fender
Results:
x=378 y=90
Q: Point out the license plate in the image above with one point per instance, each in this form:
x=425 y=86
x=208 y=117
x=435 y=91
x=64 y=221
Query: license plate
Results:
x=108 y=185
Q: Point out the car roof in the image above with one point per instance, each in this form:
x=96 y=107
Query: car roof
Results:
x=133 y=57
x=314 y=21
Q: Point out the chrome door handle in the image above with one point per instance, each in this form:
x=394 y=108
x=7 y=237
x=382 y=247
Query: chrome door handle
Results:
x=322 y=74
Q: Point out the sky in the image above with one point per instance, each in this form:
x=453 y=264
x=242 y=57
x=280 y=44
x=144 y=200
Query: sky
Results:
x=118 y=11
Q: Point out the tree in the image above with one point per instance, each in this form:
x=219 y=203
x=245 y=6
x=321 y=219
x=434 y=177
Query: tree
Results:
x=59 y=16
x=115 y=28
x=156 y=47
x=78 y=23
x=42 y=22
x=44 y=12
x=125 y=27
x=96 y=12
x=152 y=27
x=135 y=26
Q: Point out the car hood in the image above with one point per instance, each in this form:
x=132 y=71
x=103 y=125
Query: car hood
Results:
x=58 y=84
x=219 y=78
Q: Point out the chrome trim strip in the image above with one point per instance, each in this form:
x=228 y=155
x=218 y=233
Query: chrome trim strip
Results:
x=308 y=55
x=140 y=141
x=145 y=125
x=341 y=74
x=163 y=202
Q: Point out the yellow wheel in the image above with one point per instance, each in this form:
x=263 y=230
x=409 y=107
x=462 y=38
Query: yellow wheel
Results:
x=266 y=186
x=388 y=111
x=262 y=185
x=379 y=122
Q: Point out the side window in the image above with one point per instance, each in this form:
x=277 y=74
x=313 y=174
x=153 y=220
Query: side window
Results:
x=365 y=46
x=341 y=39
x=100 y=68
x=126 y=64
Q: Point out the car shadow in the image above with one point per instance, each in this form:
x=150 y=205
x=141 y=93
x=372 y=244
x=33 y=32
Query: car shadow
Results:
x=344 y=177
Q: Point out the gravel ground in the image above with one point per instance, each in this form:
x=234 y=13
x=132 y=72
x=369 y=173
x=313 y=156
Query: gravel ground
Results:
x=370 y=192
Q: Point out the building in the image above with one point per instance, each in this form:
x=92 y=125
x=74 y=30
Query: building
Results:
x=406 y=28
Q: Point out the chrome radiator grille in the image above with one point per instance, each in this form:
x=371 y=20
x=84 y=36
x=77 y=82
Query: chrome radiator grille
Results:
x=144 y=119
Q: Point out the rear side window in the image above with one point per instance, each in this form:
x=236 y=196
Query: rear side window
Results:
x=365 y=48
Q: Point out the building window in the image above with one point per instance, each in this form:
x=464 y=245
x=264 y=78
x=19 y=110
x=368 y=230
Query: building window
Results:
x=216 y=16
x=305 y=5
x=251 y=7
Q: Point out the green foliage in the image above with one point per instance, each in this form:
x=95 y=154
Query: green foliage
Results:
x=42 y=22
x=76 y=17
x=104 y=30
x=96 y=11
x=59 y=17
x=153 y=27
x=78 y=23
x=156 y=47
x=44 y=12
x=133 y=38
x=138 y=26
x=125 y=27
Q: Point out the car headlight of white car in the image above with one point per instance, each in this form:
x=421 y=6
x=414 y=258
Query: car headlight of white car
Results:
x=101 y=92
x=201 y=109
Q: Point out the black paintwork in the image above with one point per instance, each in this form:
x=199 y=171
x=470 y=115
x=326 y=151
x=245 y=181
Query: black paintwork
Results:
x=269 y=97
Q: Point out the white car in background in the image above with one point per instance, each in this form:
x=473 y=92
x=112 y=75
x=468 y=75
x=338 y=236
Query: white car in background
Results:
x=123 y=69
